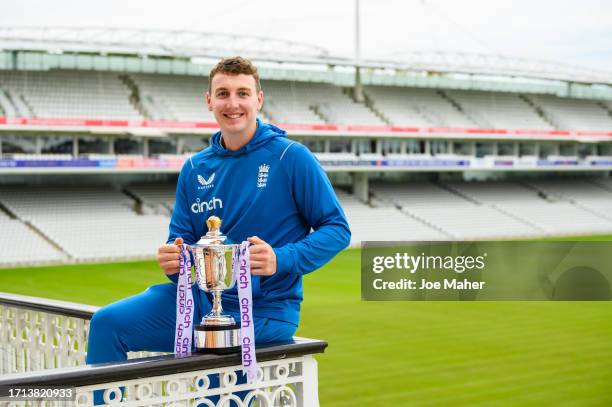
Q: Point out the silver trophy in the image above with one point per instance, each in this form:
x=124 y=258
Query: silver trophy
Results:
x=218 y=332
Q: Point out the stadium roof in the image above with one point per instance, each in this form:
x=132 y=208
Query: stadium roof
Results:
x=497 y=65
x=176 y=43
x=193 y=44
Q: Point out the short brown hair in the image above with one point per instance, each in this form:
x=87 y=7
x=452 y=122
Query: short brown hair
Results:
x=234 y=66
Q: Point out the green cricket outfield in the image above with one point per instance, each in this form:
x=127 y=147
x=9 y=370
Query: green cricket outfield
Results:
x=405 y=353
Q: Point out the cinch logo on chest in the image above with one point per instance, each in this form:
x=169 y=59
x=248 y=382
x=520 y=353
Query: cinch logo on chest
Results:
x=200 y=207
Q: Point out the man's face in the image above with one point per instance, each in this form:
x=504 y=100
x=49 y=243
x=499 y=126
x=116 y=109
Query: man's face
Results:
x=235 y=102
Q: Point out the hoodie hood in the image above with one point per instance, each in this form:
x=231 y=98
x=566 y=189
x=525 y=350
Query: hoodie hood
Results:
x=265 y=132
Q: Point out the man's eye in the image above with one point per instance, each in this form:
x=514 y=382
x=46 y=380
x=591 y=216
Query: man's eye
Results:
x=244 y=94
x=220 y=94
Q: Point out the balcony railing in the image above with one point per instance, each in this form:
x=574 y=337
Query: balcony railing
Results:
x=43 y=343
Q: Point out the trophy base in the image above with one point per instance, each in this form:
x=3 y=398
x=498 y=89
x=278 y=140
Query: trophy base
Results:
x=217 y=339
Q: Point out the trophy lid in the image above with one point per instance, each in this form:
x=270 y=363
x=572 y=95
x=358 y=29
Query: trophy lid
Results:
x=213 y=236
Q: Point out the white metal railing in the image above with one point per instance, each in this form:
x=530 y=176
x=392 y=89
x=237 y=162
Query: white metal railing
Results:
x=33 y=338
x=43 y=343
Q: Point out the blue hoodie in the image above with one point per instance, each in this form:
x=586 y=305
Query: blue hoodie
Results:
x=273 y=188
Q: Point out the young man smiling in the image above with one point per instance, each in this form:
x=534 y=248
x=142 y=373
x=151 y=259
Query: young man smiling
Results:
x=265 y=188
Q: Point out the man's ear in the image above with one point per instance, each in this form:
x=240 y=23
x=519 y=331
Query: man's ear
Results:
x=207 y=98
x=260 y=100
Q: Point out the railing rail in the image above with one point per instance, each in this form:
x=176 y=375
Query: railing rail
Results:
x=43 y=344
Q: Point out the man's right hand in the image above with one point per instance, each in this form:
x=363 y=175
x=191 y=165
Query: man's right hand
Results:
x=168 y=256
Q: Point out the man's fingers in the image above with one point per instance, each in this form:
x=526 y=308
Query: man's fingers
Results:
x=257 y=264
x=255 y=240
x=259 y=257
x=258 y=249
x=168 y=256
x=170 y=265
x=168 y=248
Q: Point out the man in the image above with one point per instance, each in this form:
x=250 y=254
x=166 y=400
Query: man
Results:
x=265 y=188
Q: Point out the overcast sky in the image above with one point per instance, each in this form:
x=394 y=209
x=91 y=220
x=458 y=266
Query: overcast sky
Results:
x=578 y=32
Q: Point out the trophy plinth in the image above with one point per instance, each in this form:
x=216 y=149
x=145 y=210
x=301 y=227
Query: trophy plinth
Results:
x=218 y=332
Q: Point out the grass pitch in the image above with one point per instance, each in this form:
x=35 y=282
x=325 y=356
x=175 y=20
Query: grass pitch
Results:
x=405 y=353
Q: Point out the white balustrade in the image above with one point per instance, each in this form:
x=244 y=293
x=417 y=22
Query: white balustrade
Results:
x=44 y=342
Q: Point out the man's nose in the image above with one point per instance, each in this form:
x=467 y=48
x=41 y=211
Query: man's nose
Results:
x=232 y=101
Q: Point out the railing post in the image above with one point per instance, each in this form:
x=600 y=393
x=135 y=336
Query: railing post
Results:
x=310 y=390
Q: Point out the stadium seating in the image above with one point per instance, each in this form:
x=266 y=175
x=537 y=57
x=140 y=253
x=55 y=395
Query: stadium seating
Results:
x=383 y=223
x=68 y=224
x=574 y=114
x=499 y=110
x=550 y=215
x=590 y=196
x=105 y=95
x=449 y=212
x=416 y=107
x=23 y=246
x=173 y=97
x=297 y=102
x=68 y=94
x=158 y=197
x=284 y=102
x=57 y=224
x=88 y=223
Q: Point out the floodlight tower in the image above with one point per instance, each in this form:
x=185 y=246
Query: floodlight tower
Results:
x=358 y=94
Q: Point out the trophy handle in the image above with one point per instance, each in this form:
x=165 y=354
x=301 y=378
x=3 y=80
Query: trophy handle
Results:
x=199 y=261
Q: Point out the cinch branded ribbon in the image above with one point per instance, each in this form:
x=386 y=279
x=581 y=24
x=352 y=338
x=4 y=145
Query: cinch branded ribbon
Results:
x=183 y=333
x=242 y=270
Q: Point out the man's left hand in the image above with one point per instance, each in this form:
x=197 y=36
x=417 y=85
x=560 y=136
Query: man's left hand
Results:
x=262 y=256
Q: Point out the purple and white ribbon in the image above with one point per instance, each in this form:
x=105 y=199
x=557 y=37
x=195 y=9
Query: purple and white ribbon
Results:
x=183 y=333
x=245 y=297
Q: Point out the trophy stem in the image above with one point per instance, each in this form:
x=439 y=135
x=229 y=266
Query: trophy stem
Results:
x=217 y=309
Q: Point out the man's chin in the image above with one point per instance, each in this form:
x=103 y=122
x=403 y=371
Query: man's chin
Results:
x=232 y=127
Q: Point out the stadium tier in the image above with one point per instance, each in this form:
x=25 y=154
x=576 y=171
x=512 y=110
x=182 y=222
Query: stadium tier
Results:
x=157 y=198
x=591 y=196
x=131 y=122
x=417 y=107
x=383 y=223
x=574 y=114
x=451 y=213
x=499 y=110
x=84 y=224
x=75 y=224
x=23 y=245
x=172 y=97
x=327 y=103
x=67 y=94
x=542 y=212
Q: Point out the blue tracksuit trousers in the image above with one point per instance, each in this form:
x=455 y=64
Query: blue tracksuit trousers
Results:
x=146 y=322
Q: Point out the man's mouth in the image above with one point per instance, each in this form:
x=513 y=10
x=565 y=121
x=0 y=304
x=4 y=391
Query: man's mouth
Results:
x=233 y=115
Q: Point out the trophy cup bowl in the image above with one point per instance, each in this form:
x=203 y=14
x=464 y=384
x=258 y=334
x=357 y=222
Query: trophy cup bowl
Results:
x=218 y=332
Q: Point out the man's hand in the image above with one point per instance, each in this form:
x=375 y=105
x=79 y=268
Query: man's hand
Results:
x=168 y=256
x=263 y=258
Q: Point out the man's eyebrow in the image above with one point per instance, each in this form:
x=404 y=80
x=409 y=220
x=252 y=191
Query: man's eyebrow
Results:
x=240 y=89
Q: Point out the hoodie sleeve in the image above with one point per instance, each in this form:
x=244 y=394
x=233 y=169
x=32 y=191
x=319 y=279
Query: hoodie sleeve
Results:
x=317 y=202
x=180 y=223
